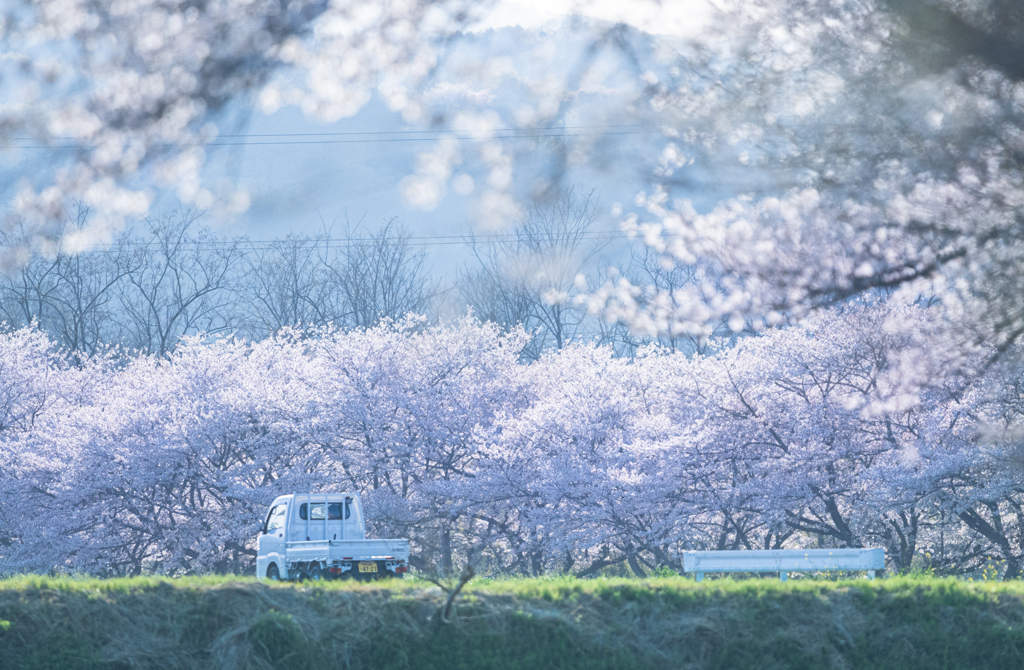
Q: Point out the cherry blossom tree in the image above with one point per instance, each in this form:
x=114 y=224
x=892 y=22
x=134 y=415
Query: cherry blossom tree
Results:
x=30 y=373
x=853 y=149
x=401 y=406
x=580 y=461
x=117 y=89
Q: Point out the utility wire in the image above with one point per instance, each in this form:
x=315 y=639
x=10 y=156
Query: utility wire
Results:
x=503 y=135
x=341 y=243
x=438 y=131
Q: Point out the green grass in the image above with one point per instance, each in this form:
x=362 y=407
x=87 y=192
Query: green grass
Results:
x=228 y=622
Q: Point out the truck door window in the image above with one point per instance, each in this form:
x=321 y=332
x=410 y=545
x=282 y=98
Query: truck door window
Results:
x=275 y=520
x=334 y=511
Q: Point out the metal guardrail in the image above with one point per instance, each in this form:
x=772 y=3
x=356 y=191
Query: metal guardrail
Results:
x=784 y=561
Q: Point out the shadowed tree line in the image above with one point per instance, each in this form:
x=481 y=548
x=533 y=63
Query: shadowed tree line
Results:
x=171 y=277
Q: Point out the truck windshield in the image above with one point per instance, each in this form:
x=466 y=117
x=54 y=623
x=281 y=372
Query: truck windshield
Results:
x=275 y=520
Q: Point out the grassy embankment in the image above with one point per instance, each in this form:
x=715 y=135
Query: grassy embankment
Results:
x=220 y=622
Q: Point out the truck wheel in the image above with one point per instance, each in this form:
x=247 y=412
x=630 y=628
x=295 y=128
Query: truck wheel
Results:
x=315 y=574
x=272 y=573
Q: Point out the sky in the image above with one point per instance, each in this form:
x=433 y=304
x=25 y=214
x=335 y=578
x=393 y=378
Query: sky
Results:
x=351 y=172
x=304 y=176
x=669 y=17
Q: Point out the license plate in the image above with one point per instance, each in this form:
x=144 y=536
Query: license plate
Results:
x=367 y=566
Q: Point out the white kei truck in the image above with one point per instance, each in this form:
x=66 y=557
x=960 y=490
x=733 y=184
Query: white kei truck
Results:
x=319 y=536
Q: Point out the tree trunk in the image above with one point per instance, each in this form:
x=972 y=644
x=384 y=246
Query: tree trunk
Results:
x=447 y=567
x=635 y=565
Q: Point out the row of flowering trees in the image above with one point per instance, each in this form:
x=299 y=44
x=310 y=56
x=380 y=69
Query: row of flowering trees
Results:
x=802 y=436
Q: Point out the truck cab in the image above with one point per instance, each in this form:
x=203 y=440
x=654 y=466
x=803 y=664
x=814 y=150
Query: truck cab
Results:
x=323 y=536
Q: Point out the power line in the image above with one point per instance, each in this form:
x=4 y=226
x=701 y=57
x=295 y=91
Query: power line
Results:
x=518 y=135
x=438 y=131
x=346 y=243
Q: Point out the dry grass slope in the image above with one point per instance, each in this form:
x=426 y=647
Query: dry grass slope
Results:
x=510 y=624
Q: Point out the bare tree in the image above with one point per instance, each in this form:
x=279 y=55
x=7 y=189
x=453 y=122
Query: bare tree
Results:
x=506 y=301
x=148 y=290
x=286 y=283
x=377 y=275
x=180 y=283
x=526 y=277
x=69 y=293
x=662 y=278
